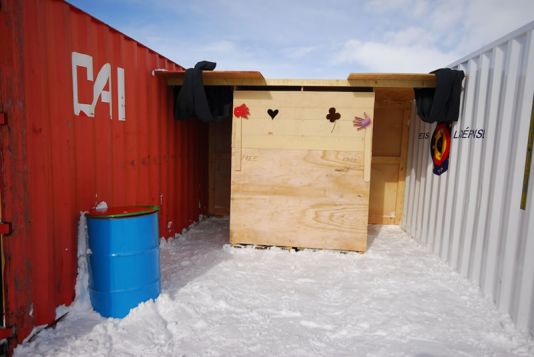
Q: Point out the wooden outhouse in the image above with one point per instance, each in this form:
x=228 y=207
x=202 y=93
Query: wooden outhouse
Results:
x=292 y=170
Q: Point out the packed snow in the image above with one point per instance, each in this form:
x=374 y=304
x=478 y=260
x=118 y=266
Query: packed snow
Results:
x=218 y=300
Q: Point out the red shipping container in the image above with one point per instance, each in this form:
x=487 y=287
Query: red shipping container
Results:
x=85 y=120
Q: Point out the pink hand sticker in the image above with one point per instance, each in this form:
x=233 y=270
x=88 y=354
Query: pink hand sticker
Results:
x=362 y=123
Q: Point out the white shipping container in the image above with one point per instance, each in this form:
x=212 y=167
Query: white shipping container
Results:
x=471 y=216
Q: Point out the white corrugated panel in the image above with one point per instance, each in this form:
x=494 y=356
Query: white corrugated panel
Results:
x=470 y=216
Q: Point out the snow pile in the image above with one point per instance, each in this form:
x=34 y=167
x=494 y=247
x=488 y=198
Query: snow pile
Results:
x=82 y=300
x=394 y=300
x=101 y=206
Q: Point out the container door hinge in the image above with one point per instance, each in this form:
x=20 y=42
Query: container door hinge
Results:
x=7 y=332
x=5 y=228
x=3 y=118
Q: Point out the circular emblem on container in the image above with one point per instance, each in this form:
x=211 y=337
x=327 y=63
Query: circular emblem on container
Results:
x=440 y=147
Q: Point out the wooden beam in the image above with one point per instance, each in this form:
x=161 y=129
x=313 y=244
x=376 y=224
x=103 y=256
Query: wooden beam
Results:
x=407 y=115
x=395 y=80
x=221 y=78
x=255 y=78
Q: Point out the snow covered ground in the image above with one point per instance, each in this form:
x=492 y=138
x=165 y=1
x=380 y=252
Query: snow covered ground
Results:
x=216 y=300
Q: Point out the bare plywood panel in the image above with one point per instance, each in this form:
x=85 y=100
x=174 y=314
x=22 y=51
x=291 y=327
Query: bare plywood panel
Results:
x=392 y=111
x=388 y=129
x=301 y=121
x=300 y=198
x=384 y=187
x=298 y=179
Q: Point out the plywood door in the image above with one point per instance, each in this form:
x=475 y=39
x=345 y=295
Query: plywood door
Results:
x=219 y=167
x=390 y=146
x=299 y=180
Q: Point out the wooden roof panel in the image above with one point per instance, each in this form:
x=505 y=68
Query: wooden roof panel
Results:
x=255 y=78
x=415 y=80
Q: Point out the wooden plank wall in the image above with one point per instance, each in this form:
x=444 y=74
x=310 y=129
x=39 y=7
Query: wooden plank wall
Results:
x=299 y=180
x=393 y=107
x=391 y=119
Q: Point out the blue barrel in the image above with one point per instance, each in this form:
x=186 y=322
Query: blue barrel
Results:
x=124 y=261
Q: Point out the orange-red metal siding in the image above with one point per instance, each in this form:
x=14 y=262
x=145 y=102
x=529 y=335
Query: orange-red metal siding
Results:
x=55 y=163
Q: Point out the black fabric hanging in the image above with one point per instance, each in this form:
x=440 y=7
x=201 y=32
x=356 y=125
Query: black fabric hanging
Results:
x=193 y=100
x=441 y=104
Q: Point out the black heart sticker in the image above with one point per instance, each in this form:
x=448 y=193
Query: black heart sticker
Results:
x=272 y=113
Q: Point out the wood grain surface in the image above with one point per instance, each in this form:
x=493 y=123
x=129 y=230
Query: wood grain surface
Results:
x=298 y=179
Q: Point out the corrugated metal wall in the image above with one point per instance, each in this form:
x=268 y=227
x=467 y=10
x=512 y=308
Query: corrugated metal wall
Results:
x=58 y=159
x=470 y=216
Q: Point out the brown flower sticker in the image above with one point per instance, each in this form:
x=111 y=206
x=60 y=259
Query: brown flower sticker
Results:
x=332 y=116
